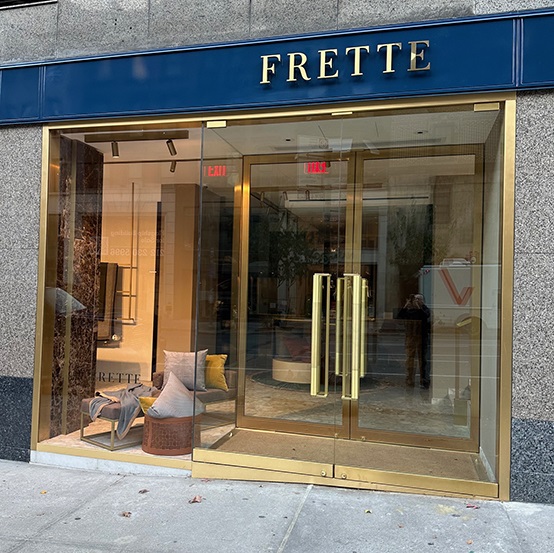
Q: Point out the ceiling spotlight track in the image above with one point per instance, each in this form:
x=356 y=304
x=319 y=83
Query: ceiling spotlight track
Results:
x=171 y=147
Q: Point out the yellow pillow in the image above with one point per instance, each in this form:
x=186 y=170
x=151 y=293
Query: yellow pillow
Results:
x=146 y=402
x=215 y=375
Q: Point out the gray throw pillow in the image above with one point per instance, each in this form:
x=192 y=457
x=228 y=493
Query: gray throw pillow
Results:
x=175 y=401
x=182 y=365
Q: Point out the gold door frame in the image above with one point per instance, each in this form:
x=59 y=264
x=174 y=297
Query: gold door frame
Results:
x=243 y=420
x=415 y=439
x=208 y=463
x=348 y=427
x=216 y=464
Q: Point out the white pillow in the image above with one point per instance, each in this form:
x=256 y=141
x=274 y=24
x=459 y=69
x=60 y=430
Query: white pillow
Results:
x=182 y=365
x=175 y=400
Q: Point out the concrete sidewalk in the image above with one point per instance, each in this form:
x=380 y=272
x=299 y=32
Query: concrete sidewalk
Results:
x=58 y=510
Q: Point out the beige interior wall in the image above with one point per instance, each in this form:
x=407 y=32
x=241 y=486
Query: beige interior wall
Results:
x=177 y=269
x=129 y=239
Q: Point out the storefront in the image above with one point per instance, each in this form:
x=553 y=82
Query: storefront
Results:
x=315 y=233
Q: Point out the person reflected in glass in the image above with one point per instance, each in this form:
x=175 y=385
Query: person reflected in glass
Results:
x=417 y=316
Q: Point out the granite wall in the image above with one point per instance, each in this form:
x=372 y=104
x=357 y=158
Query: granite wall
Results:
x=20 y=171
x=533 y=353
x=71 y=28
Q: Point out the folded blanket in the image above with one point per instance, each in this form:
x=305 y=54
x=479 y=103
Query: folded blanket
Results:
x=127 y=398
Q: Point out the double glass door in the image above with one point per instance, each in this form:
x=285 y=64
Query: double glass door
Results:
x=356 y=273
x=338 y=247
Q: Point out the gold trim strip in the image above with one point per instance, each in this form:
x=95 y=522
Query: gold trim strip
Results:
x=490 y=106
x=41 y=286
x=507 y=298
x=206 y=470
x=465 y=487
x=327 y=109
x=117 y=456
x=254 y=461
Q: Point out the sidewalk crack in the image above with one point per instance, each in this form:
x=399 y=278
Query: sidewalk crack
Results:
x=294 y=520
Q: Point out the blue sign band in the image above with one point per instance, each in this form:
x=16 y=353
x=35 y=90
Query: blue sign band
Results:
x=472 y=55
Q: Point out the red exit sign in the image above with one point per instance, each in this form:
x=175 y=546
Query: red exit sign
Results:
x=215 y=170
x=316 y=168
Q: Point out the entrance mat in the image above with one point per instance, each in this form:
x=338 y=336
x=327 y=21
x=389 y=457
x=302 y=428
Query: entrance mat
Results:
x=369 y=455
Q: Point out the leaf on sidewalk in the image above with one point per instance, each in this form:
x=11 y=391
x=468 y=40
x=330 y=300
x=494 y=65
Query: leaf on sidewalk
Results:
x=196 y=499
x=126 y=514
x=144 y=491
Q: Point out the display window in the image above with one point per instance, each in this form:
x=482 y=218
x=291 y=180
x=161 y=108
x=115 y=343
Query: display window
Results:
x=312 y=295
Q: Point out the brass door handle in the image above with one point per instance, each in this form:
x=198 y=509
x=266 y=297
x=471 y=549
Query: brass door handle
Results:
x=365 y=295
x=355 y=311
x=317 y=308
x=338 y=327
x=356 y=334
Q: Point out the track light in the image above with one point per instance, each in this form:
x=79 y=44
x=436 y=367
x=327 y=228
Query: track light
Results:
x=115 y=149
x=173 y=166
x=171 y=147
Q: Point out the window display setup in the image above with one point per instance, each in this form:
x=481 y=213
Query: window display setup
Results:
x=312 y=296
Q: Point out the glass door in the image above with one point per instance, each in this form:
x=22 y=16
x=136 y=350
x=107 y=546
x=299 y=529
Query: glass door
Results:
x=339 y=277
x=296 y=215
x=421 y=341
x=364 y=300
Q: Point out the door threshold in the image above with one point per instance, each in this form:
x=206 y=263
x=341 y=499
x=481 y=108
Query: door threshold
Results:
x=281 y=457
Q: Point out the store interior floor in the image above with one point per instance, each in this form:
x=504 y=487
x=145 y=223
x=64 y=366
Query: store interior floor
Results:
x=382 y=403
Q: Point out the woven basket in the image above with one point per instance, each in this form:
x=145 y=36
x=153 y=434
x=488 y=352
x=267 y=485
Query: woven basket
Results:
x=172 y=436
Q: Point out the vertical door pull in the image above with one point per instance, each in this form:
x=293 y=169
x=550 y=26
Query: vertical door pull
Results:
x=321 y=281
x=355 y=313
x=339 y=327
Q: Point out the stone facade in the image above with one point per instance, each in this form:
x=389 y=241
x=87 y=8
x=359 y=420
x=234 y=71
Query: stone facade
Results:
x=73 y=28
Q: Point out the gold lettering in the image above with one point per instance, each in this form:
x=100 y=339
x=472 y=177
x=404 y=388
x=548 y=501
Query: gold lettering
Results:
x=326 y=62
x=293 y=66
x=357 y=59
x=268 y=68
x=389 y=47
x=414 y=55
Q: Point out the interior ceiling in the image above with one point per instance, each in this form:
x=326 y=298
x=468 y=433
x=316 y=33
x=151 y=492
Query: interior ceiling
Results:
x=360 y=133
x=331 y=135
x=315 y=135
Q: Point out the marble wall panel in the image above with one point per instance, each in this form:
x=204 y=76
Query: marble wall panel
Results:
x=533 y=315
x=72 y=28
x=532 y=389
x=78 y=258
x=18 y=313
